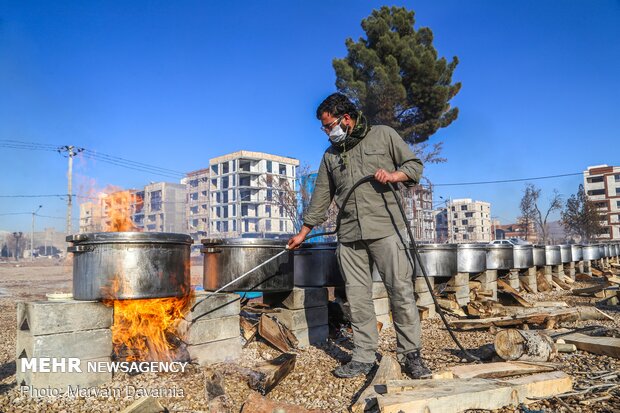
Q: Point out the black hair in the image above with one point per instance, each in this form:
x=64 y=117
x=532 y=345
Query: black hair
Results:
x=337 y=105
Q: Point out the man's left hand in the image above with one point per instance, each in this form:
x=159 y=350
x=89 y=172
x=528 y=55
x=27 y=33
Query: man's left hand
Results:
x=384 y=176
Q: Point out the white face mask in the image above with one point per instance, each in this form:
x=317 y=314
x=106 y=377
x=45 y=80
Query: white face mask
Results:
x=337 y=135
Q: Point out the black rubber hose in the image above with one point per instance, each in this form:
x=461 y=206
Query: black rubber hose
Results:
x=468 y=355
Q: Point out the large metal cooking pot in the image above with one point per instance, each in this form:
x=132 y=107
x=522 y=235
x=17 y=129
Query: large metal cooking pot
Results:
x=565 y=253
x=576 y=252
x=607 y=251
x=438 y=259
x=616 y=250
x=591 y=252
x=471 y=258
x=601 y=251
x=523 y=256
x=227 y=259
x=315 y=265
x=499 y=257
x=130 y=265
x=553 y=255
x=539 y=255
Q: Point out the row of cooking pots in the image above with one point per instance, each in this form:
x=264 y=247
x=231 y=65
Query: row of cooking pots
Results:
x=126 y=265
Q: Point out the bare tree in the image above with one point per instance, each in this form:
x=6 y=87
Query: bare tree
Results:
x=531 y=210
x=581 y=218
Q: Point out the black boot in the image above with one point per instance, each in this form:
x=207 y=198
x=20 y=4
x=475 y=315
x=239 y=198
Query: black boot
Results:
x=414 y=366
x=353 y=369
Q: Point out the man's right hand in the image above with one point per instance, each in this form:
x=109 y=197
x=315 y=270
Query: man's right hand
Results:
x=295 y=241
x=298 y=239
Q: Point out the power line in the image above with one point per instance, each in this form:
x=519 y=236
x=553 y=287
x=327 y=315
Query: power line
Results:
x=34 y=196
x=509 y=180
x=119 y=159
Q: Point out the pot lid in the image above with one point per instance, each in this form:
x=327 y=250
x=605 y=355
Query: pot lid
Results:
x=130 y=237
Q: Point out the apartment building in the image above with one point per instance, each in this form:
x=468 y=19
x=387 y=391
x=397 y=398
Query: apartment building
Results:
x=252 y=194
x=601 y=184
x=419 y=210
x=464 y=220
x=162 y=208
x=197 y=186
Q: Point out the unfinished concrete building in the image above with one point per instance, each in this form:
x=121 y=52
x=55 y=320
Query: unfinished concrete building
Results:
x=602 y=185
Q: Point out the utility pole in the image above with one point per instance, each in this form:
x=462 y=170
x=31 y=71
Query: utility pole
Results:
x=17 y=236
x=71 y=152
x=32 y=234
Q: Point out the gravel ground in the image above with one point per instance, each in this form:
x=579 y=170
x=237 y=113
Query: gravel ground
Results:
x=311 y=384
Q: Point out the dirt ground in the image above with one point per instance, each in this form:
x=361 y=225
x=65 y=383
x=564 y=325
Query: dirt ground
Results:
x=311 y=384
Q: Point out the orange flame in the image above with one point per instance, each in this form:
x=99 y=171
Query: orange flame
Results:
x=147 y=329
x=118 y=207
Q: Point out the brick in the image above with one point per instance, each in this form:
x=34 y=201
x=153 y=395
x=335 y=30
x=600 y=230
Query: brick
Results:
x=52 y=317
x=206 y=331
x=62 y=381
x=89 y=344
x=382 y=306
x=210 y=306
x=215 y=351
x=304 y=318
x=378 y=290
x=298 y=298
x=311 y=335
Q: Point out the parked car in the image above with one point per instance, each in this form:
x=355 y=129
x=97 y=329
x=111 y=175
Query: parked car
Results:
x=510 y=241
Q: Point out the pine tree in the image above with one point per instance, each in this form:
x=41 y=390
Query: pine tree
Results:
x=396 y=77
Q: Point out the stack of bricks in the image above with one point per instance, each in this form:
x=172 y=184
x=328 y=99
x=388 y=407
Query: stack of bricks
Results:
x=424 y=296
x=211 y=329
x=488 y=282
x=78 y=330
x=381 y=303
x=304 y=312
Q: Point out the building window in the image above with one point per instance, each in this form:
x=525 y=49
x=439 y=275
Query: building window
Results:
x=269 y=196
x=225 y=183
x=596 y=192
x=214 y=169
x=617 y=204
x=595 y=179
x=269 y=167
x=463 y=207
x=617 y=177
x=618 y=191
x=225 y=168
x=282 y=169
x=469 y=214
x=281 y=226
x=268 y=210
x=464 y=222
x=267 y=225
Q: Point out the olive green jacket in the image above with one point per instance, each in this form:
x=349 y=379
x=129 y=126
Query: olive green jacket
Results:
x=372 y=211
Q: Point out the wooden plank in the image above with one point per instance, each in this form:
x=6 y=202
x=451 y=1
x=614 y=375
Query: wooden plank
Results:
x=268 y=374
x=558 y=304
x=451 y=307
x=561 y=283
x=567 y=314
x=492 y=370
x=389 y=369
x=583 y=277
x=275 y=333
x=589 y=290
x=458 y=395
x=512 y=293
x=542 y=283
x=608 y=346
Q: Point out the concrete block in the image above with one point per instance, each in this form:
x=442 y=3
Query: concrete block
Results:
x=311 y=335
x=424 y=299
x=206 y=331
x=378 y=290
x=215 y=351
x=304 y=318
x=460 y=279
x=208 y=306
x=298 y=298
x=53 y=317
x=420 y=284
x=89 y=344
x=489 y=276
x=382 y=306
x=570 y=270
x=528 y=276
x=62 y=381
x=549 y=273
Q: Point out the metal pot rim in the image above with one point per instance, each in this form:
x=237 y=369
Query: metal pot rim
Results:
x=131 y=237
x=244 y=242
x=523 y=247
x=437 y=246
x=472 y=246
x=499 y=247
x=552 y=247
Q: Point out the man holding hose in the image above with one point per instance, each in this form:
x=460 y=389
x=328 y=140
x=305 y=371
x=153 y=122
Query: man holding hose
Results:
x=372 y=229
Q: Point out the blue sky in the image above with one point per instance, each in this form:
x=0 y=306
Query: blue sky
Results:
x=173 y=84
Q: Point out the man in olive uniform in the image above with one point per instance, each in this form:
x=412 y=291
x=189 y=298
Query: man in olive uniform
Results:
x=372 y=229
